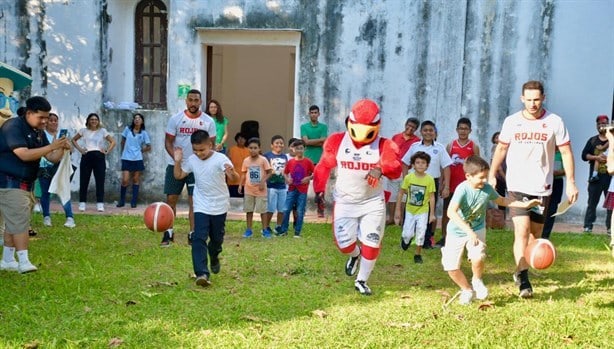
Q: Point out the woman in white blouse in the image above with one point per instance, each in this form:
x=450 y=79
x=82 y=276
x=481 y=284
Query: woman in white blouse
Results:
x=98 y=142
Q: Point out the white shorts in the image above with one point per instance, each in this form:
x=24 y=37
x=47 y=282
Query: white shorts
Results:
x=393 y=186
x=365 y=222
x=415 y=226
x=452 y=252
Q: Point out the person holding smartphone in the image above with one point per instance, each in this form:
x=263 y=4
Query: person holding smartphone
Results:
x=46 y=172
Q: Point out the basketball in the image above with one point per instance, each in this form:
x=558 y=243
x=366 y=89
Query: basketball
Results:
x=540 y=254
x=158 y=216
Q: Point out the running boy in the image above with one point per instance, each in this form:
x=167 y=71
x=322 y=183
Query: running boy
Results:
x=419 y=187
x=276 y=184
x=467 y=227
x=254 y=173
x=298 y=173
x=211 y=201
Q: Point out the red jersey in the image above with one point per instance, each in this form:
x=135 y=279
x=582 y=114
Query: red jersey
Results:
x=458 y=154
x=404 y=144
x=299 y=169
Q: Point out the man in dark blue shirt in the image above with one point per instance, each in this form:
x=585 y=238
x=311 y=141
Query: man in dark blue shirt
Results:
x=22 y=145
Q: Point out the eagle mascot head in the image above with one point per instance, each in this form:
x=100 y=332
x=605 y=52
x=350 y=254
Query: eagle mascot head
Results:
x=363 y=123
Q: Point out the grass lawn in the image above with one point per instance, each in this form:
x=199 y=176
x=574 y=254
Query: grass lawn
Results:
x=107 y=284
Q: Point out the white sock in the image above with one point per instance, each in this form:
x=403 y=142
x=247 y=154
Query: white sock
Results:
x=365 y=269
x=170 y=232
x=22 y=256
x=8 y=254
x=356 y=252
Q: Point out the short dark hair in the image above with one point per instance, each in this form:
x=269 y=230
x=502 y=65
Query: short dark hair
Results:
x=253 y=140
x=533 y=85
x=240 y=134
x=199 y=137
x=413 y=120
x=463 y=121
x=314 y=107
x=427 y=123
x=494 y=135
x=292 y=140
x=37 y=103
x=195 y=91
x=297 y=142
x=475 y=164
x=276 y=137
x=420 y=155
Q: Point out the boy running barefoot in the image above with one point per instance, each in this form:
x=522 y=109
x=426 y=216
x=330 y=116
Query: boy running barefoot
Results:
x=419 y=187
x=467 y=228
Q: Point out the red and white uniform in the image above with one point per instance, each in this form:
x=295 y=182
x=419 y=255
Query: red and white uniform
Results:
x=530 y=156
x=458 y=154
x=181 y=126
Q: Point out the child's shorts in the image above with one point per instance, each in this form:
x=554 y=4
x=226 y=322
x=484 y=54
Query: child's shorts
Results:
x=276 y=200
x=452 y=252
x=255 y=204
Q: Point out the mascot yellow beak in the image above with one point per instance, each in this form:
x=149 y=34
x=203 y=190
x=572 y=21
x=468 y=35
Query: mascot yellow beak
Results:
x=363 y=134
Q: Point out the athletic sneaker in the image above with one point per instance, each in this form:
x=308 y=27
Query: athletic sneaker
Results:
x=526 y=291
x=266 y=233
x=47 y=221
x=248 y=233
x=481 y=292
x=418 y=259
x=215 y=265
x=32 y=232
x=100 y=207
x=37 y=208
x=466 y=296
x=190 y=238
x=405 y=246
x=441 y=243
x=26 y=267
x=167 y=239
x=297 y=234
x=351 y=265
x=516 y=277
x=278 y=231
x=70 y=222
x=9 y=266
x=362 y=288
x=82 y=206
x=203 y=281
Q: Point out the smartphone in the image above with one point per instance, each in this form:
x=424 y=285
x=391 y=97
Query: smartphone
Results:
x=63 y=133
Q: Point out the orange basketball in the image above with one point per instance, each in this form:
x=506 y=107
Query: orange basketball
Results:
x=159 y=216
x=540 y=254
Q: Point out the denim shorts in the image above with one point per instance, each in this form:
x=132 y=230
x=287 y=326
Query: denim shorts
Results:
x=276 y=200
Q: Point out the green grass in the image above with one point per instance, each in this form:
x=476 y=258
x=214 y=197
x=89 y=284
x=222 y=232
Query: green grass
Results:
x=108 y=283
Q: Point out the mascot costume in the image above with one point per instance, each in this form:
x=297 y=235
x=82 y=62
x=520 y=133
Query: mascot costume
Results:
x=362 y=157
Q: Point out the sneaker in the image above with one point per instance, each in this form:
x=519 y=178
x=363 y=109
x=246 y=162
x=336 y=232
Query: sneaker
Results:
x=120 y=204
x=82 y=206
x=418 y=259
x=166 y=239
x=608 y=232
x=47 y=221
x=588 y=230
x=215 y=265
x=9 y=266
x=526 y=291
x=266 y=233
x=405 y=246
x=70 y=223
x=280 y=232
x=32 y=232
x=516 y=278
x=297 y=235
x=466 y=296
x=37 y=208
x=352 y=265
x=481 y=292
x=593 y=179
x=362 y=288
x=248 y=233
x=441 y=243
x=26 y=267
x=190 y=238
x=203 y=281
x=100 y=207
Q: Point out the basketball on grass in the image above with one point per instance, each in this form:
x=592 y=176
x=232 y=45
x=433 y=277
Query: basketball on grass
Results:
x=540 y=254
x=159 y=216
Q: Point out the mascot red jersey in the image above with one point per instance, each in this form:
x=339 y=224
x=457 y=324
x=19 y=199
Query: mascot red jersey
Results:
x=362 y=157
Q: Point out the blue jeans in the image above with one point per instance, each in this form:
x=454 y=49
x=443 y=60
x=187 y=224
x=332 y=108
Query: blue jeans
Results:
x=46 y=198
x=206 y=227
x=294 y=197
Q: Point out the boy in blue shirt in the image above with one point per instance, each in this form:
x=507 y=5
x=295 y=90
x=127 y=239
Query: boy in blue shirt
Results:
x=467 y=227
x=276 y=185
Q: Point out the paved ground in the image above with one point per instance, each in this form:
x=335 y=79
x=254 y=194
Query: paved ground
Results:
x=236 y=214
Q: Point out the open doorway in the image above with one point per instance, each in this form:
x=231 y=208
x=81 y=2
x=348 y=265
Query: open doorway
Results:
x=253 y=77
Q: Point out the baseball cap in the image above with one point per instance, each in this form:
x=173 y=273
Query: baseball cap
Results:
x=602 y=119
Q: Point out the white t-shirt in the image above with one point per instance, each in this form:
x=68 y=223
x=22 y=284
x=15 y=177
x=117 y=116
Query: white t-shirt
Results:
x=210 y=191
x=94 y=139
x=182 y=126
x=439 y=157
x=530 y=156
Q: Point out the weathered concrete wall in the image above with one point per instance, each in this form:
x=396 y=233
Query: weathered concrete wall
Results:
x=434 y=59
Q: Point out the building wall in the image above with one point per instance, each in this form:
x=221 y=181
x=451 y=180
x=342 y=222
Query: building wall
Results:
x=434 y=59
